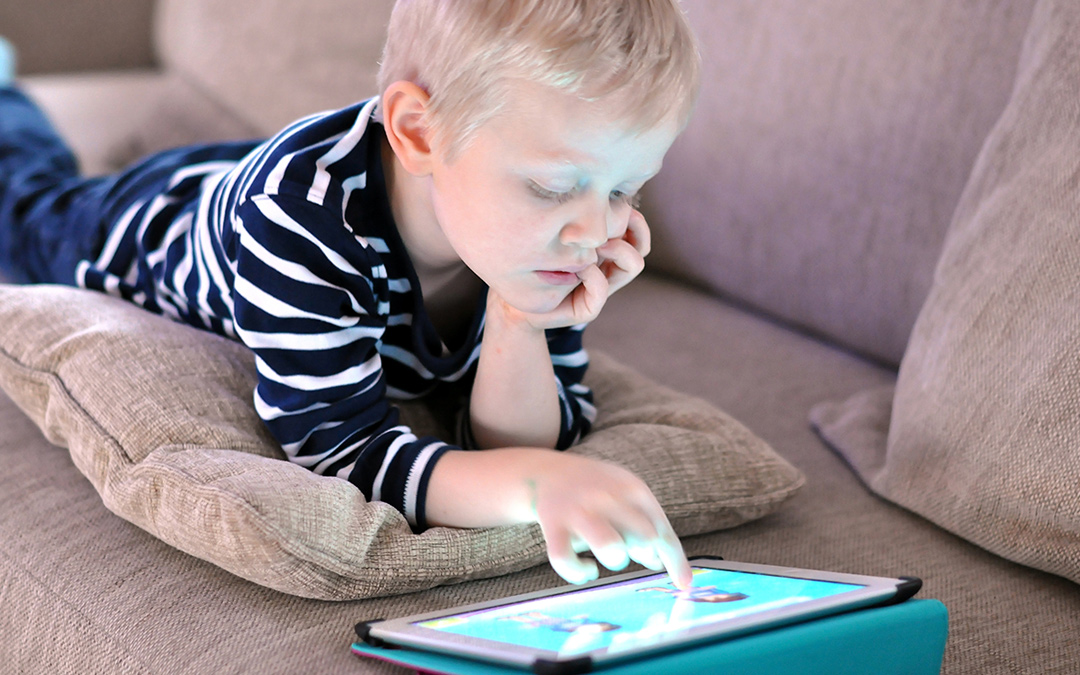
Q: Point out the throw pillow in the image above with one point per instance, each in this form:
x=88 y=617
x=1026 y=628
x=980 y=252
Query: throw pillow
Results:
x=981 y=434
x=158 y=416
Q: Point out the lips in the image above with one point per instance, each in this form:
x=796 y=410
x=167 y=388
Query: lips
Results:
x=564 y=276
x=558 y=277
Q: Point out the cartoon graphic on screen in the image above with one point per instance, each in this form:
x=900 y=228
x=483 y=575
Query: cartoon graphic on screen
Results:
x=697 y=593
x=577 y=624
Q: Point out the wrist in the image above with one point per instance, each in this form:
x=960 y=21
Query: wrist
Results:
x=487 y=488
x=502 y=316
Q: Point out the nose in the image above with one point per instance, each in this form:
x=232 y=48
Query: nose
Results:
x=592 y=225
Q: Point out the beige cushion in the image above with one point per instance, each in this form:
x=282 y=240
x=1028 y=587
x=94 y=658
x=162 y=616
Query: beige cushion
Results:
x=113 y=119
x=275 y=64
x=983 y=433
x=158 y=417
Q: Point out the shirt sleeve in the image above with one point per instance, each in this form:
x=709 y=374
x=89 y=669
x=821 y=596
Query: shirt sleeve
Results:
x=570 y=360
x=307 y=302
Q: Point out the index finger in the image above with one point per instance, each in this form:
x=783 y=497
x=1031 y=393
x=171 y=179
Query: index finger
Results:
x=638 y=233
x=675 y=562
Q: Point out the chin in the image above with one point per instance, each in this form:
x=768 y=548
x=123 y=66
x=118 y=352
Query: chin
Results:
x=537 y=303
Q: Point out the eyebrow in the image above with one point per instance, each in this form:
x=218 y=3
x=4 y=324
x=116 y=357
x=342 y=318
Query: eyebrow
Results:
x=567 y=166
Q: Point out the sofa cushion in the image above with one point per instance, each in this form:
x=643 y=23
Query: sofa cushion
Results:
x=113 y=119
x=981 y=434
x=827 y=154
x=275 y=66
x=158 y=416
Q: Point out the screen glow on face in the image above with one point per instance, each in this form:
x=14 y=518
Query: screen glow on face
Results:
x=633 y=613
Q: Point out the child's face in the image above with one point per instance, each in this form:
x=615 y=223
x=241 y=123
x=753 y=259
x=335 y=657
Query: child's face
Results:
x=526 y=204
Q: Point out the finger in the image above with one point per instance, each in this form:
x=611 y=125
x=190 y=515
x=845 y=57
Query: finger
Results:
x=675 y=562
x=589 y=297
x=564 y=560
x=621 y=263
x=605 y=542
x=646 y=556
x=664 y=541
x=638 y=233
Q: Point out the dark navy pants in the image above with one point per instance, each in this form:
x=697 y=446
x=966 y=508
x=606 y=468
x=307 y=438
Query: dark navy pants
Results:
x=51 y=217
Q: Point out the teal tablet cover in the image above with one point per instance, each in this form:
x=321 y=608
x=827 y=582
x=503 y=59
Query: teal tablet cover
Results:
x=905 y=639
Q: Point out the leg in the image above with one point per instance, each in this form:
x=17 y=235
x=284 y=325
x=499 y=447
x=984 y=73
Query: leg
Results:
x=50 y=217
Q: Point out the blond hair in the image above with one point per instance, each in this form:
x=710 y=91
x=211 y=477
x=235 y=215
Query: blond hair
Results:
x=466 y=53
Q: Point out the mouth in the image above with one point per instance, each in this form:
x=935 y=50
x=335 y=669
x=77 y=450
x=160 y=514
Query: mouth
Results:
x=559 y=277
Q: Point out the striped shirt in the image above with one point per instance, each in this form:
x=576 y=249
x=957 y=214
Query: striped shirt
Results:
x=289 y=246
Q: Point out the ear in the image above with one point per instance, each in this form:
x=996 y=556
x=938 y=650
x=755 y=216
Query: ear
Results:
x=405 y=107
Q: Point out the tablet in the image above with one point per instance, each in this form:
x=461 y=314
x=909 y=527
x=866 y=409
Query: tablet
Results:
x=576 y=629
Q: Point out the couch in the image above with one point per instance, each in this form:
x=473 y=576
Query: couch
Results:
x=862 y=252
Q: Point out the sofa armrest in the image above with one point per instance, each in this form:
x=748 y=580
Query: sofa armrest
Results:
x=111 y=119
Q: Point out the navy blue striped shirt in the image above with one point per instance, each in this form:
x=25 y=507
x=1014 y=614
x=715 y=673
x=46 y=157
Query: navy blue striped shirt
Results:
x=289 y=245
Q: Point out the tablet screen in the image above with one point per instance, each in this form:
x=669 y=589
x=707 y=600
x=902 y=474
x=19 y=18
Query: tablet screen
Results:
x=632 y=613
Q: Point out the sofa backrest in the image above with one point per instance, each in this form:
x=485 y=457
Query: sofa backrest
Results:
x=274 y=61
x=816 y=181
x=828 y=151
x=55 y=37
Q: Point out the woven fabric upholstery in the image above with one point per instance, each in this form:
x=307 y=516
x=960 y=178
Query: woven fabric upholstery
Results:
x=981 y=434
x=158 y=416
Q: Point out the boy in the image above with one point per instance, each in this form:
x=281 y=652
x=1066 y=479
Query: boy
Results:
x=459 y=231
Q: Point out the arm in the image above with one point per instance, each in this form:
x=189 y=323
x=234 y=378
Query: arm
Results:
x=305 y=304
x=580 y=503
x=516 y=398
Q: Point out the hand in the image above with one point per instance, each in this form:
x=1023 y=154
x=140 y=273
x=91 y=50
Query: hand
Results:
x=580 y=503
x=583 y=504
x=620 y=261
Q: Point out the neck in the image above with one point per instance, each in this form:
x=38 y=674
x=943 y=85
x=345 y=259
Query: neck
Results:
x=410 y=203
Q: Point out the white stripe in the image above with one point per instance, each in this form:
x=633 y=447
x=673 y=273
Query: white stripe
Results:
x=273 y=180
x=295 y=271
x=269 y=412
x=80 y=273
x=350 y=185
x=574 y=360
x=349 y=376
x=321 y=180
x=116 y=236
x=391 y=452
x=331 y=459
x=282 y=310
x=307 y=460
x=176 y=230
x=272 y=211
x=399 y=285
x=407 y=358
x=208 y=168
x=311 y=342
x=412 y=483
x=207 y=253
x=378 y=244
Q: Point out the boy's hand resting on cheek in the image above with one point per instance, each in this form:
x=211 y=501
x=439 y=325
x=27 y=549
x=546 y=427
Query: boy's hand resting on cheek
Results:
x=619 y=262
x=580 y=503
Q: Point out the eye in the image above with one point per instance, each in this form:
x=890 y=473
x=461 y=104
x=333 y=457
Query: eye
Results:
x=551 y=195
x=631 y=200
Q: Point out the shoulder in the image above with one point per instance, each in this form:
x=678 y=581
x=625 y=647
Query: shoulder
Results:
x=317 y=157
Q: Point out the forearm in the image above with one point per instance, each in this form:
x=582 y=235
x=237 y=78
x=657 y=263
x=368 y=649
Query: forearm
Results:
x=488 y=488
x=579 y=503
x=515 y=397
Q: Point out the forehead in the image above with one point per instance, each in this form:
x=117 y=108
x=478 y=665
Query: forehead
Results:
x=551 y=127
